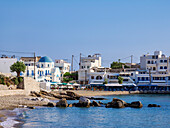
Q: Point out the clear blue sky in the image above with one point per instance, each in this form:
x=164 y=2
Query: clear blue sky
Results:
x=61 y=28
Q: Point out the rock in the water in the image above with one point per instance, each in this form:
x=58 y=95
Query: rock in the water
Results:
x=62 y=103
x=31 y=107
x=100 y=102
x=70 y=105
x=116 y=103
x=84 y=100
x=50 y=104
x=96 y=104
x=153 y=105
x=136 y=104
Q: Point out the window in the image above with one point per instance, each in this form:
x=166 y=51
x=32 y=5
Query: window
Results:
x=98 y=78
x=92 y=77
x=88 y=66
x=149 y=62
x=138 y=78
x=82 y=67
x=165 y=67
x=131 y=74
x=108 y=76
x=32 y=72
x=41 y=65
x=154 y=68
x=165 y=61
x=161 y=61
x=27 y=72
x=143 y=78
x=147 y=78
x=48 y=65
x=161 y=67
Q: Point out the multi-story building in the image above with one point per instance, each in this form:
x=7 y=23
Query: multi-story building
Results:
x=44 y=69
x=63 y=66
x=86 y=65
x=155 y=69
x=157 y=63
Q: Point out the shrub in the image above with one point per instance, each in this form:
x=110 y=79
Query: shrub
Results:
x=1 y=76
x=20 y=79
x=2 y=81
x=16 y=82
x=8 y=84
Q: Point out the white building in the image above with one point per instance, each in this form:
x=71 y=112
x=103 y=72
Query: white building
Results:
x=157 y=63
x=5 y=64
x=86 y=65
x=44 y=70
x=155 y=69
x=63 y=66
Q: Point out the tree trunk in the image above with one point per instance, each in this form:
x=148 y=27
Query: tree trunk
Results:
x=18 y=74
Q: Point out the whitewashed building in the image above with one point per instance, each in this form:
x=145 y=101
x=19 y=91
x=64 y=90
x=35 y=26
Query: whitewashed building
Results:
x=86 y=65
x=63 y=66
x=44 y=70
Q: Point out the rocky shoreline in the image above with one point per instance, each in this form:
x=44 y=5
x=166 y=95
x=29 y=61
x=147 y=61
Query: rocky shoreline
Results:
x=43 y=98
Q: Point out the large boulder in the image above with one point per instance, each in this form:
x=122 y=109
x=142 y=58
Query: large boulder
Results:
x=116 y=103
x=50 y=104
x=136 y=104
x=62 y=103
x=84 y=100
x=96 y=104
x=87 y=105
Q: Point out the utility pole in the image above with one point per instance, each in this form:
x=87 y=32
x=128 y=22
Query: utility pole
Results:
x=131 y=60
x=85 y=76
x=80 y=62
x=72 y=63
x=150 y=75
x=34 y=65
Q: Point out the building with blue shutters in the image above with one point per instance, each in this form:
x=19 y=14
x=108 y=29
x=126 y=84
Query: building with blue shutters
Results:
x=44 y=69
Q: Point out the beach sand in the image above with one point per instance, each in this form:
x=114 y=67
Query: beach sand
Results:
x=99 y=93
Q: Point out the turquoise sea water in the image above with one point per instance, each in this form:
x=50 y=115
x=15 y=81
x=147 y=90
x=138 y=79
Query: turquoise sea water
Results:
x=101 y=117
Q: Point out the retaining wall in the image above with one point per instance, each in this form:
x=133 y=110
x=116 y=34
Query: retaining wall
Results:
x=29 y=85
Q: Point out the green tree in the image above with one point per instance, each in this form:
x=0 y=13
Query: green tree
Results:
x=18 y=67
x=67 y=77
x=118 y=65
x=120 y=80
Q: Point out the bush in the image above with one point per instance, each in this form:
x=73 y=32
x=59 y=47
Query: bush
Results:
x=8 y=84
x=20 y=79
x=2 y=81
x=16 y=82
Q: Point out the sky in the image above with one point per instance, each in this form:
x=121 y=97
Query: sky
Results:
x=61 y=28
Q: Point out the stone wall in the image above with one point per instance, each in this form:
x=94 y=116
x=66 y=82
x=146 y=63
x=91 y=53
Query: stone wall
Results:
x=29 y=85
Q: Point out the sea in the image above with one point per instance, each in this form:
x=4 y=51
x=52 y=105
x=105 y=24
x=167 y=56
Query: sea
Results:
x=101 y=117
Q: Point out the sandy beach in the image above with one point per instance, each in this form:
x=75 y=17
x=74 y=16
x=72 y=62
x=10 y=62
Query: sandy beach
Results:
x=100 y=93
